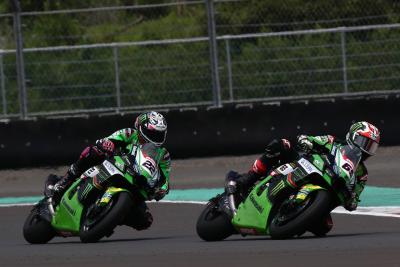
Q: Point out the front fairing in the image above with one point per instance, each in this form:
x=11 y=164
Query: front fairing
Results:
x=252 y=214
x=347 y=160
x=141 y=167
x=118 y=170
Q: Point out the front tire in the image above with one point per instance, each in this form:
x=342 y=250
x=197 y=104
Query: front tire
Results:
x=36 y=230
x=318 y=207
x=214 y=225
x=322 y=227
x=93 y=229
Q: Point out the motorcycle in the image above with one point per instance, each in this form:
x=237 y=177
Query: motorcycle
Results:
x=294 y=198
x=104 y=197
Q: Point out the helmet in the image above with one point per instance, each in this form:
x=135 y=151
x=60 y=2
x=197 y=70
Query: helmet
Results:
x=151 y=127
x=365 y=136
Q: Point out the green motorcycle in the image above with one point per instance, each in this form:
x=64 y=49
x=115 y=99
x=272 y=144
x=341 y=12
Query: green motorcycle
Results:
x=294 y=198
x=101 y=199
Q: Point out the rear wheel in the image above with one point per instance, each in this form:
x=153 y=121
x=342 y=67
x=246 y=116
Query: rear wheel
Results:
x=214 y=225
x=101 y=221
x=36 y=230
x=290 y=222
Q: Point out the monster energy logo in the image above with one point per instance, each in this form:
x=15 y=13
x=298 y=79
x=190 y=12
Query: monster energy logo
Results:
x=357 y=126
x=86 y=191
x=68 y=207
x=278 y=188
x=256 y=205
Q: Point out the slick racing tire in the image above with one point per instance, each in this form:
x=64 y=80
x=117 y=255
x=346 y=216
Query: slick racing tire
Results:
x=317 y=207
x=93 y=228
x=214 y=225
x=36 y=230
x=322 y=227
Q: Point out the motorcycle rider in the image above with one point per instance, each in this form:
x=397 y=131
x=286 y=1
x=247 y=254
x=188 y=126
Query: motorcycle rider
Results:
x=362 y=135
x=149 y=127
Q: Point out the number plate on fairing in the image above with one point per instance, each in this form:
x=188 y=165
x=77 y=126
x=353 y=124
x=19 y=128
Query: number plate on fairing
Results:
x=91 y=172
x=285 y=169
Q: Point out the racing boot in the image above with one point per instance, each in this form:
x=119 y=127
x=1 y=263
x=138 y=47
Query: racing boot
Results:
x=240 y=183
x=64 y=183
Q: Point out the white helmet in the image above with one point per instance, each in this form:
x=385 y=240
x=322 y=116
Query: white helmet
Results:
x=152 y=127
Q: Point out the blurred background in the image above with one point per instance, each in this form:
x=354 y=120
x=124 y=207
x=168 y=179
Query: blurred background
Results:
x=115 y=55
x=236 y=72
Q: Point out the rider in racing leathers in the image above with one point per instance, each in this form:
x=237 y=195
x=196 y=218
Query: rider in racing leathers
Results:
x=362 y=134
x=150 y=127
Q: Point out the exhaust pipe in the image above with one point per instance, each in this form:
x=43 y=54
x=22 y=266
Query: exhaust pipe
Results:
x=231 y=188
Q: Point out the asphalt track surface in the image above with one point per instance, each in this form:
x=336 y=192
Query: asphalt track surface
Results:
x=172 y=241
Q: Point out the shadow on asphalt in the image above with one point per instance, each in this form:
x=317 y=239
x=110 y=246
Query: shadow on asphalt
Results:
x=120 y=240
x=251 y=238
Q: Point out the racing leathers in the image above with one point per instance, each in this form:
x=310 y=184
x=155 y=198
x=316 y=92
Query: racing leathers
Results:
x=281 y=151
x=124 y=140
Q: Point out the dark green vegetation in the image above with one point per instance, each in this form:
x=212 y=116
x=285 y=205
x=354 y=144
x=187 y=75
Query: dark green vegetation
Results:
x=180 y=73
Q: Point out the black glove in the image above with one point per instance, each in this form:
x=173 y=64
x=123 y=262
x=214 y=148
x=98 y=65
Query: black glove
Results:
x=304 y=144
x=160 y=194
x=106 y=146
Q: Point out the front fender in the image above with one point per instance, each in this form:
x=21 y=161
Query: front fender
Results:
x=306 y=190
x=109 y=193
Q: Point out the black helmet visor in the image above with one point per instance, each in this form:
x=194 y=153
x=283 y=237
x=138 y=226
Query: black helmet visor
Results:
x=367 y=145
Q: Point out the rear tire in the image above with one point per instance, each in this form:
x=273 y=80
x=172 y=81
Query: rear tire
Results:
x=317 y=209
x=36 y=230
x=214 y=225
x=120 y=205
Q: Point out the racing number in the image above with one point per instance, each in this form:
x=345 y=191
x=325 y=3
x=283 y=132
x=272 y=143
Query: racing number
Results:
x=348 y=168
x=282 y=168
x=150 y=166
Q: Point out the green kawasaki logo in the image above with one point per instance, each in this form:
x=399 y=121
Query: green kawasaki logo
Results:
x=68 y=207
x=256 y=205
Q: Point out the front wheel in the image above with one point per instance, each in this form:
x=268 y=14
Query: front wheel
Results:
x=214 y=225
x=98 y=222
x=37 y=230
x=286 y=224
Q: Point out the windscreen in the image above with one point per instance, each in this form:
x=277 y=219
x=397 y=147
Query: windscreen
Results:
x=347 y=160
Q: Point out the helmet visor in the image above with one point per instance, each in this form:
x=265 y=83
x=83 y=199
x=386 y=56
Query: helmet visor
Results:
x=153 y=136
x=365 y=144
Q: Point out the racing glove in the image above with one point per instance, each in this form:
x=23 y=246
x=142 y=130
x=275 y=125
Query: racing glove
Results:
x=304 y=144
x=106 y=146
x=160 y=193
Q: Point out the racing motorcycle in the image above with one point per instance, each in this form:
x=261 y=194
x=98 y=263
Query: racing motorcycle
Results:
x=294 y=198
x=101 y=199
